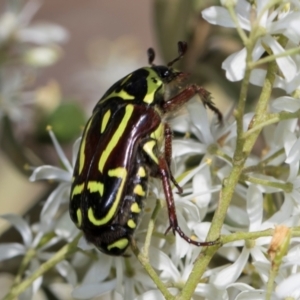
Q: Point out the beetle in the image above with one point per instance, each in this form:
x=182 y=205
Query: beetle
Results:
x=121 y=148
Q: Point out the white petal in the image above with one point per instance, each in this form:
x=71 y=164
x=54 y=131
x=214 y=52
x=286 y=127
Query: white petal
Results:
x=200 y=122
x=209 y=292
x=27 y=294
x=283 y=134
x=231 y=273
x=50 y=172
x=258 y=76
x=293 y=84
x=67 y=271
x=84 y=245
x=261 y=8
x=218 y=16
x=286 y=64
x=52 y=204
x=9 y=250
x=34 y=265
x=251 y=295
x=286 y=103
x=288 y=26
x=188 y=208
x=182 y=147
x=288 y=286
x=75 y=150
x=42 y=56
x=65 y=228
x=230 y=253
x=202 y=184
x=43 y=33
x=162 y=262
x=153 y=294
x=21 y=225
x=254 y=207
x=92 y=290
x=236 y=216
x=294 y=154
x=8 y=25
x=235 y=65
x=60 y=152
x=262 y=269
x=283 y=214
x=201 y=230
x=99 y=270
x=190 y=174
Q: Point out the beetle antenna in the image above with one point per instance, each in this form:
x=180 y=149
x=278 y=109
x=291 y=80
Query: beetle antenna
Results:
x=151 y=56
x=182 y=48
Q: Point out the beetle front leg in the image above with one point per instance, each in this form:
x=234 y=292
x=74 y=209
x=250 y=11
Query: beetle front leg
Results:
x=165 y=177
x=168 y=155
x=185 y=95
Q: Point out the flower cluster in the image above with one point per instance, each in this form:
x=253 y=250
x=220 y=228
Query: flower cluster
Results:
x=249 y=202
x=24 y=46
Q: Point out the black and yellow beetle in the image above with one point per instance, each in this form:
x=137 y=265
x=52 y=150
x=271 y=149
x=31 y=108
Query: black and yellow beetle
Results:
x=121 y=148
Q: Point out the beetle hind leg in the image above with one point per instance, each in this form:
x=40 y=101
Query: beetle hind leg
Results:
x=168 y=155
x=165 y=177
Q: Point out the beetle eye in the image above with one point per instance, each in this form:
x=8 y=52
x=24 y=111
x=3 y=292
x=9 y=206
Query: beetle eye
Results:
x=167 y=73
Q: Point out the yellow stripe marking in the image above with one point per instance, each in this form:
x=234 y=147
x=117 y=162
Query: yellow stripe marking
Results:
x=125 y=79
x=123 y=94
x=96 y=186
x=158 y=133
x=135 y=208
x=116 y=137
x=82 y=146
x=121 y=244
x=148 y=148
x=138 y=189
x=77 y=190
x=79 y=217
x=141 y=172
x=120 y=173
x=131 y=224
x=152 y=87
x=105 y=120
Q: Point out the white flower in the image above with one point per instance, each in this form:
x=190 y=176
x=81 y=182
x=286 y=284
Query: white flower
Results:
x=60 y=195
x=14 y=25
x=289 y=275
x=278 y=21
x=41 y=253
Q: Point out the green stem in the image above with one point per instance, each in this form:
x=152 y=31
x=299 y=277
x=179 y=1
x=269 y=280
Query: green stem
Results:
x=273 y=57
x=243 y=149
x=55 y=259
x=237 y=236
x=270 y=285
x=143 y=256
x=239 y=29
x=147 y=266
x=271 y=119
x=285 y=186
x=30 y=254
x=145 y=250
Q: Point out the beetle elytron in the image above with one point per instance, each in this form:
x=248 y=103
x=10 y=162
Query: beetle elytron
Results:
x=121 y=148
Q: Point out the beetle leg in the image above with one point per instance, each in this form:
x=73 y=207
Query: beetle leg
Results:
x=165 y=177
x=185 y=95
x=168 y=155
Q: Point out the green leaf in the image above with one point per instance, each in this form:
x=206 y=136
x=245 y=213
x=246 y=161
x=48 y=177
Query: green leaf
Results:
x=66 y=121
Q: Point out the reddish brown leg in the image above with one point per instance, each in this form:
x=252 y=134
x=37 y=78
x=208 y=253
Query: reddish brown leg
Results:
x=168 y=155
x=184 y=96
x=165 y=177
